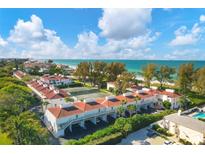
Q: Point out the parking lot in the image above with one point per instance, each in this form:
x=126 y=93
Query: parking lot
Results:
x=140 y=138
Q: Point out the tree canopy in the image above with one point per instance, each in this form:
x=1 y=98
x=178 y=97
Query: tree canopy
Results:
x=148 y=73
x=185 y=77
x=124 y=81
x=164 y=74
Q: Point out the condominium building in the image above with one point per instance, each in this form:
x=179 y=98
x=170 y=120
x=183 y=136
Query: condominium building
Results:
x=56 y=80
x=185 y=127
x=19 y=74
x=48 y=93
x=65 y=116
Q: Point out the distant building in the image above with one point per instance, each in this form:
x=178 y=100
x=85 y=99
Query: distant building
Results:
x=56 y=80
x=49 y=93
x=31 y=64
x=185 y=127
x=19 y=74
x=110 y=85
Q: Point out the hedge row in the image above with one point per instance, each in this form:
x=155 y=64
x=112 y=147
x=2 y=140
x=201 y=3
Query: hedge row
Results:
x=120 y=129
x=161 y=130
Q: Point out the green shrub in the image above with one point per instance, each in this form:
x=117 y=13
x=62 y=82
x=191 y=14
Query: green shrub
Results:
x=161 y=130
x=108 y=140
x=123 y=126
x=185 y=142
x=166 y=104
x=202 y=119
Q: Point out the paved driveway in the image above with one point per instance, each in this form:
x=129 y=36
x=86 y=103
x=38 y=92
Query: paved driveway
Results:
x=138 y=137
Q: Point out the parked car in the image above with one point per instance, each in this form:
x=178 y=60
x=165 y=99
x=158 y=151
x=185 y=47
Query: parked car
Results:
x=150 y=133
x=145 y=143
x=168 y=142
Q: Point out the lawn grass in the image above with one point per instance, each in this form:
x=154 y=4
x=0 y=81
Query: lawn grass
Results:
x=196 y=98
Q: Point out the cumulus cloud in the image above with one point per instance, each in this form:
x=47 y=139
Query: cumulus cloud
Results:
x=124 y=23
x=2 y=42
x=202 y=18
x=32 y=40
x=183 y=36
x=185 y=54
x=134 y=48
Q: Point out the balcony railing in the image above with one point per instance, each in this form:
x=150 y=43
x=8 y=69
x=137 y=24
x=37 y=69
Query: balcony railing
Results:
x=65 y=125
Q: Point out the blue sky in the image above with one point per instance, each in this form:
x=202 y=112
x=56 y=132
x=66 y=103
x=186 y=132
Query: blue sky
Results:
x=103 y=33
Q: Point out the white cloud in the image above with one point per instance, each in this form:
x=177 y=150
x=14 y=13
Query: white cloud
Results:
x=185 y=54
x=124 y=23
x=2 y=42
x=27 y=31
x=202 y=18
x=134 y=48
x=31 y=39
x=167 y=9
x=183 y=36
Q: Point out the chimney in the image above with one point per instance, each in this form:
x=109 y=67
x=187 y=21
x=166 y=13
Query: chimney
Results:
x=56 y=91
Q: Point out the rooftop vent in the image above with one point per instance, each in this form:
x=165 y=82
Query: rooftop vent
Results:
x=88 y=100
x=139 y=91
x=153 y=87
x=127 y=94
x=169 y=90
x=56 y=91
x=51 y=87
x=65 y=105
x=146 y=89
x=45 y=85
x=109 y=97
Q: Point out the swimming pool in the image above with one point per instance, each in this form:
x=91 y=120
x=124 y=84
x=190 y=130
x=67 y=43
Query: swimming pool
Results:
x=199 y=115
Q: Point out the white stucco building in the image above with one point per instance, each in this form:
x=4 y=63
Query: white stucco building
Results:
x=56 y=80
x=19 y=74
x=64 y=116
x=48 y=93
x=185 y=127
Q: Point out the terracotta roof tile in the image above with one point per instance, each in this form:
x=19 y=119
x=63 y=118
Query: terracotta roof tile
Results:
x=88 y=106
x=64 y=112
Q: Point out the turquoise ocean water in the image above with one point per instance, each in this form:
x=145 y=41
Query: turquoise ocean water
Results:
x=134 y=65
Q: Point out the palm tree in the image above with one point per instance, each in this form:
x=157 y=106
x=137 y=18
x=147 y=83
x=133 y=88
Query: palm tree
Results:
x=121 y=111
x=137 y=98
x=132 y=109
x=123 y=102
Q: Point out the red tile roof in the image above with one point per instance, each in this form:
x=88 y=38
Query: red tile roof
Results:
x=111 y=102
x=20 y=74
x=47 y=92
x=59 y=112
x=54 y=77
x=88 y=106
x=170 y=94
x=80 y=107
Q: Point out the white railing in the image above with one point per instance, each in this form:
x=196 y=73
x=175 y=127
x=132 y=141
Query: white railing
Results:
x=85 y=118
